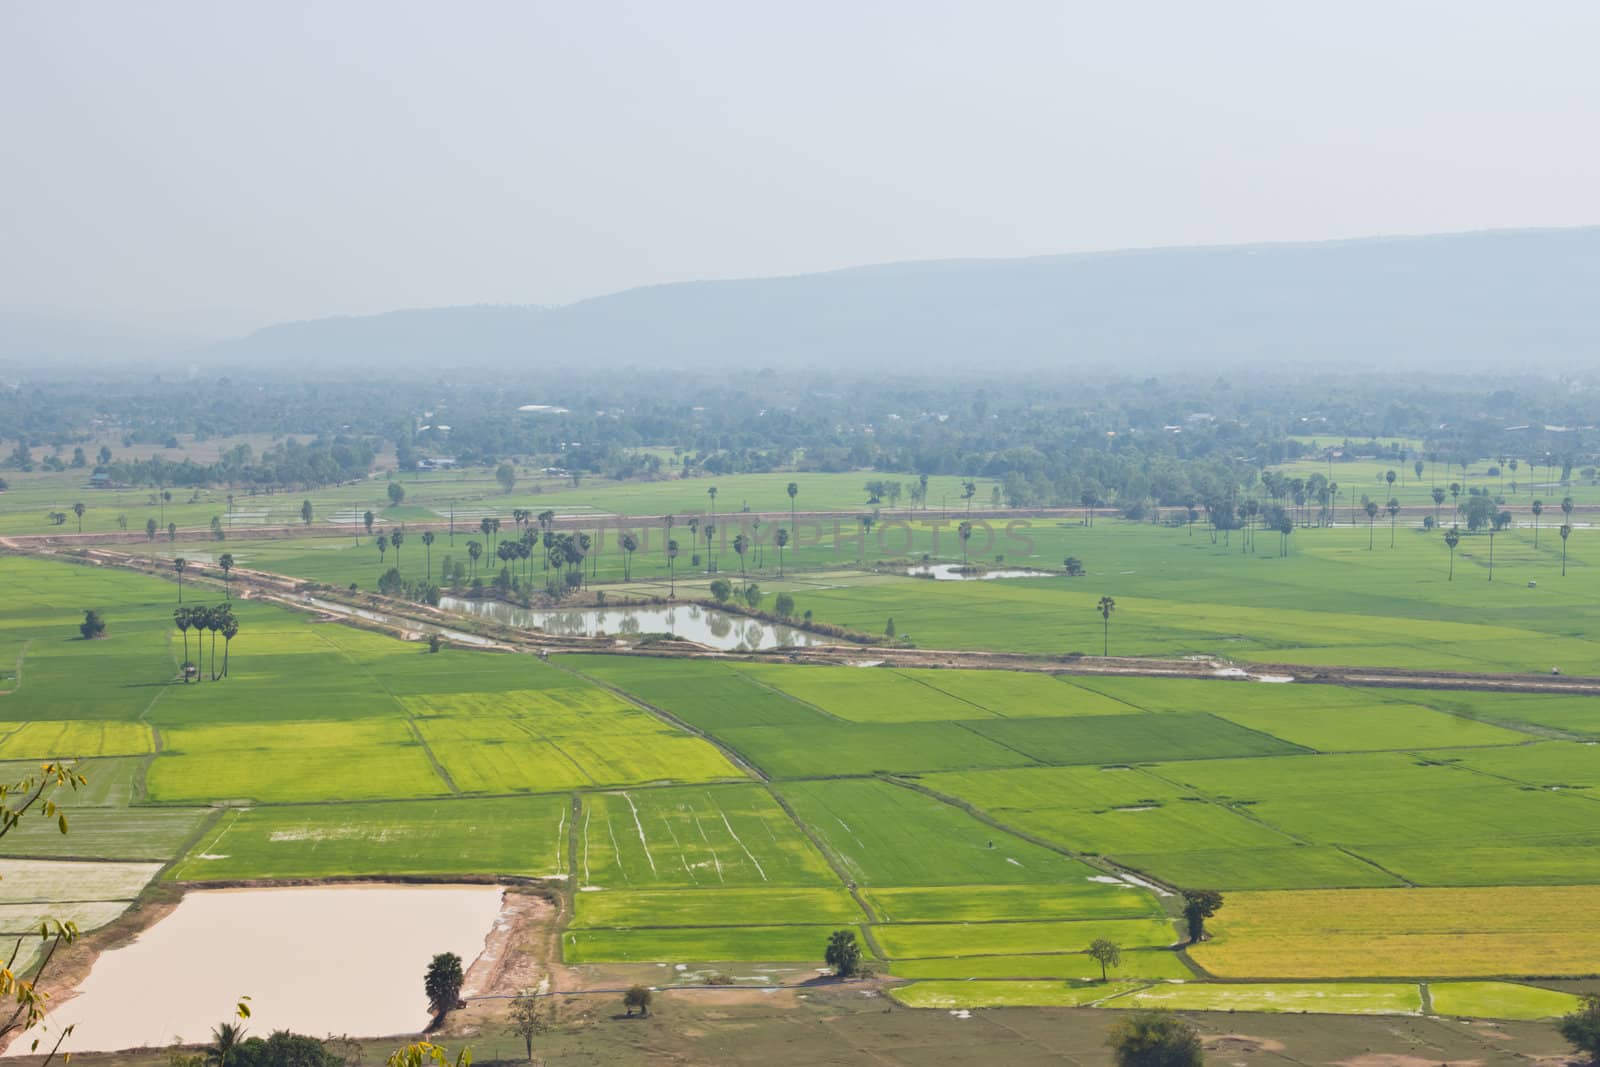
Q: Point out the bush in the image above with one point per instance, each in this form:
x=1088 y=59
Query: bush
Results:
x=843 y=953
x=92 y=626
x=783 y=606
x=638 y=997
x=1582 y=1027
x=721 y=590
x=1154 y=1039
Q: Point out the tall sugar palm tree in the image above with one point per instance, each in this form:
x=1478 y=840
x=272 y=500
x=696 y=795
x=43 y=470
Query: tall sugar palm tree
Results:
x=629 y=545
x=225 y=561
x=230 y=630
x=964 y=531
x=672 y=571
x=1438 y=498
x=180 y=565
x=1566 y=532
x=1372 y=517
x=741 y=545
x=710 y=531
x=474 y=553
x=1394 y=510
x=1537 y=509
x=396 y=539
x=782 y=539
x=794 y=491
x=1452 y=538
x=1107 y=605
x=427 y=551
x=183 y=618
x=78 y=509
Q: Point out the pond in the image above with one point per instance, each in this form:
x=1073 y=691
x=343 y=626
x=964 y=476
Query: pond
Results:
x=952 y=572
x=316 y=960
x=705 y=626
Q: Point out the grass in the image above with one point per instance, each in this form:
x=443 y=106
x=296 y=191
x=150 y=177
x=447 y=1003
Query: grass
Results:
x=1007 y=994
x=1060 y=965
x=887 y=835
x=1499 y=1000
x=911 y=940
x=1086 y=899
x=708 y=836
x=1333 y=998
x=763 y=906
x=868 y=694
x=1404 y=933
x=1380 y=726
x=697 y=944
x=838 y=748
x=1129 y=738
x=428 y=838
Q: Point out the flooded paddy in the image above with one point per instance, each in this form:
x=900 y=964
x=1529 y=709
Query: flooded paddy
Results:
x=706 y=626
x=316 y=960
x=953 y=572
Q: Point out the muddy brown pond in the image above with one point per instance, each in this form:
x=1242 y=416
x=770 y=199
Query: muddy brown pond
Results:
x=316 y=960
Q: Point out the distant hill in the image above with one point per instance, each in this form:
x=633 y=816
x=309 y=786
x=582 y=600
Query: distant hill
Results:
x=1503 y=299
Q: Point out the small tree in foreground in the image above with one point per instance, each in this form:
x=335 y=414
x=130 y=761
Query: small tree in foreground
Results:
x=1106 y=953
x=1154 y=1039
x=92 y=626
x=443 y=983
x=1582 y=1027
x=844 y=953
x=638 y=997
x=1198 y=906
x=527 y=1019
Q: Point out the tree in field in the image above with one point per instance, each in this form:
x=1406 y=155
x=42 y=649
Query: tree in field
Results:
x=781 y=538
x=396 y=539
x=442 y=983
x=843 y=953
x=183 y=618
x=667 y=522
x=753 y=595
x=1566 y=532
x=383 y=547
x=1438 y=498
x=1537 y=509
x=1198 y=906
x=629 y=545
x=783 y=606
x=794 y=491
x=180 y=565
x=92 y=626
x=1106 y=953
x=710 y=530
x=1500 y=522
x=964 y=531
x=1416 y=468
x=1455 y=492
x=506 y=475
x=1154 y=1039
x=711 y=492
x=305 y=512
x=225 y=561
x=1393 y=508
x=427 y=549
x=150 y=529
x=721 y=590
x=1073 y=566
x=1582 y=1028
x=741 y=545
x=637 y=998
x=888 y=630
x=474 y=553
x=1389 y=478
x=78 y=509
x=397 y=493
x=1107 y=605
x=1566 y=507
x=230 y=630
x=367 y=520
x=1452 y=538
x=968 y=491
x=527 y=1019
x=172 y=531
x=672 y=569
x=1372 y=517
x=225 y=1041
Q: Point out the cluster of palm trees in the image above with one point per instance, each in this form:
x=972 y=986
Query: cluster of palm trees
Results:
x=1499 y=521
x=214 y=620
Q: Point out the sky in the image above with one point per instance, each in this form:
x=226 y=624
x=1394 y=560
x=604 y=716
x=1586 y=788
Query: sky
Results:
x=209 y=168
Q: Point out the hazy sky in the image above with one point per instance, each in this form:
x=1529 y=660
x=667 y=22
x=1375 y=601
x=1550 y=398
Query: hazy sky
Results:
x=217 y=166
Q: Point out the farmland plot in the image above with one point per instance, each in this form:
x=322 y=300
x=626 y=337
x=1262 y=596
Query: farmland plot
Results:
x=868 y=694
x=1130 y=738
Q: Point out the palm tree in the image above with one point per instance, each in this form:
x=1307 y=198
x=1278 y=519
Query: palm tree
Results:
x=395 y=540
x=740 y=546
x=1452 y=538
x=1416 y=469
x=1538 y=509
x=1438 y=498
x=225 y=561
x=383 y=547
x=968 y=491
x=180 y=565
x=1566 y=507
x=166 y=498
x=755 y=540
x=1389 y=477
x=224 y=1040
x=672 y=572
x=629 y=545
x=1394 y=510
x=216 y=621
x=230 y=629
x=782 y=539
x=427 y=549
x=150 y=529
x=368 y=519
x=474 y=551
x=712 y=493
x=710 y=531
x=1107 y=605
x=964 y=531
x=78 y=509
x=1372 y=516
x=183 y=618
x=794 y=491
x=585 y=542
x=1566 y=532
x=668 y=521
